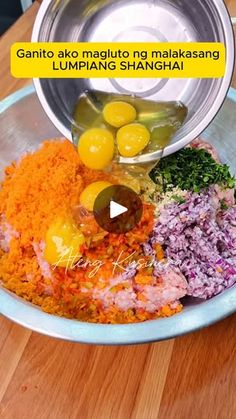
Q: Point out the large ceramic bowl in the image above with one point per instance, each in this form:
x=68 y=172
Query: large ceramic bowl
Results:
x=23 y=126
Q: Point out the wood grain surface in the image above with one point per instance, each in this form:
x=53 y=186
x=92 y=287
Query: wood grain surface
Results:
x=189 y=377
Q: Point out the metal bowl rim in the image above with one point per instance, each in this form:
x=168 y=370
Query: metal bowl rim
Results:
x=172 y=148
x=31 y=316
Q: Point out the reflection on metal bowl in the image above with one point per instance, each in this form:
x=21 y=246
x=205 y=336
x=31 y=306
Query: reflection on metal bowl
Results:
x=141 y=21
x=23 y=127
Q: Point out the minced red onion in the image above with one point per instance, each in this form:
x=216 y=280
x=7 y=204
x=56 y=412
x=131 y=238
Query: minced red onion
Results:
x=199 y=240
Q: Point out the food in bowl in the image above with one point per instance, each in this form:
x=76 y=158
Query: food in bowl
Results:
x=54 y=254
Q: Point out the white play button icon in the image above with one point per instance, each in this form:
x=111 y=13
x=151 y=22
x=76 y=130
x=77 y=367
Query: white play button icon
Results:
x=116 y=209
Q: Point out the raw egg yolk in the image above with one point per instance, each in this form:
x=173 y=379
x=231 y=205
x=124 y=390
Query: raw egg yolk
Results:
x=96 y=148
x=118 y=114
x=132 y=139
x=63 y=243
x=90 y=193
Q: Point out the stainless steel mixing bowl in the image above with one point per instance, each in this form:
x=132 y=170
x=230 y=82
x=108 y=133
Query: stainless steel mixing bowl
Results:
x=23 y=127
x=144 y=21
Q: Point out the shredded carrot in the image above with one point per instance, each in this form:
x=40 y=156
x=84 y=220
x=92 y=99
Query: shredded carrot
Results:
x=159 y=252
x=45 y=184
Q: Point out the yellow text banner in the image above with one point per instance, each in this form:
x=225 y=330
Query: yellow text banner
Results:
x=118 y=60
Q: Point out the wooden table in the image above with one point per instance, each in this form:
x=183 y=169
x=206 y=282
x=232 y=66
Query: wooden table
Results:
x=189 y=377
